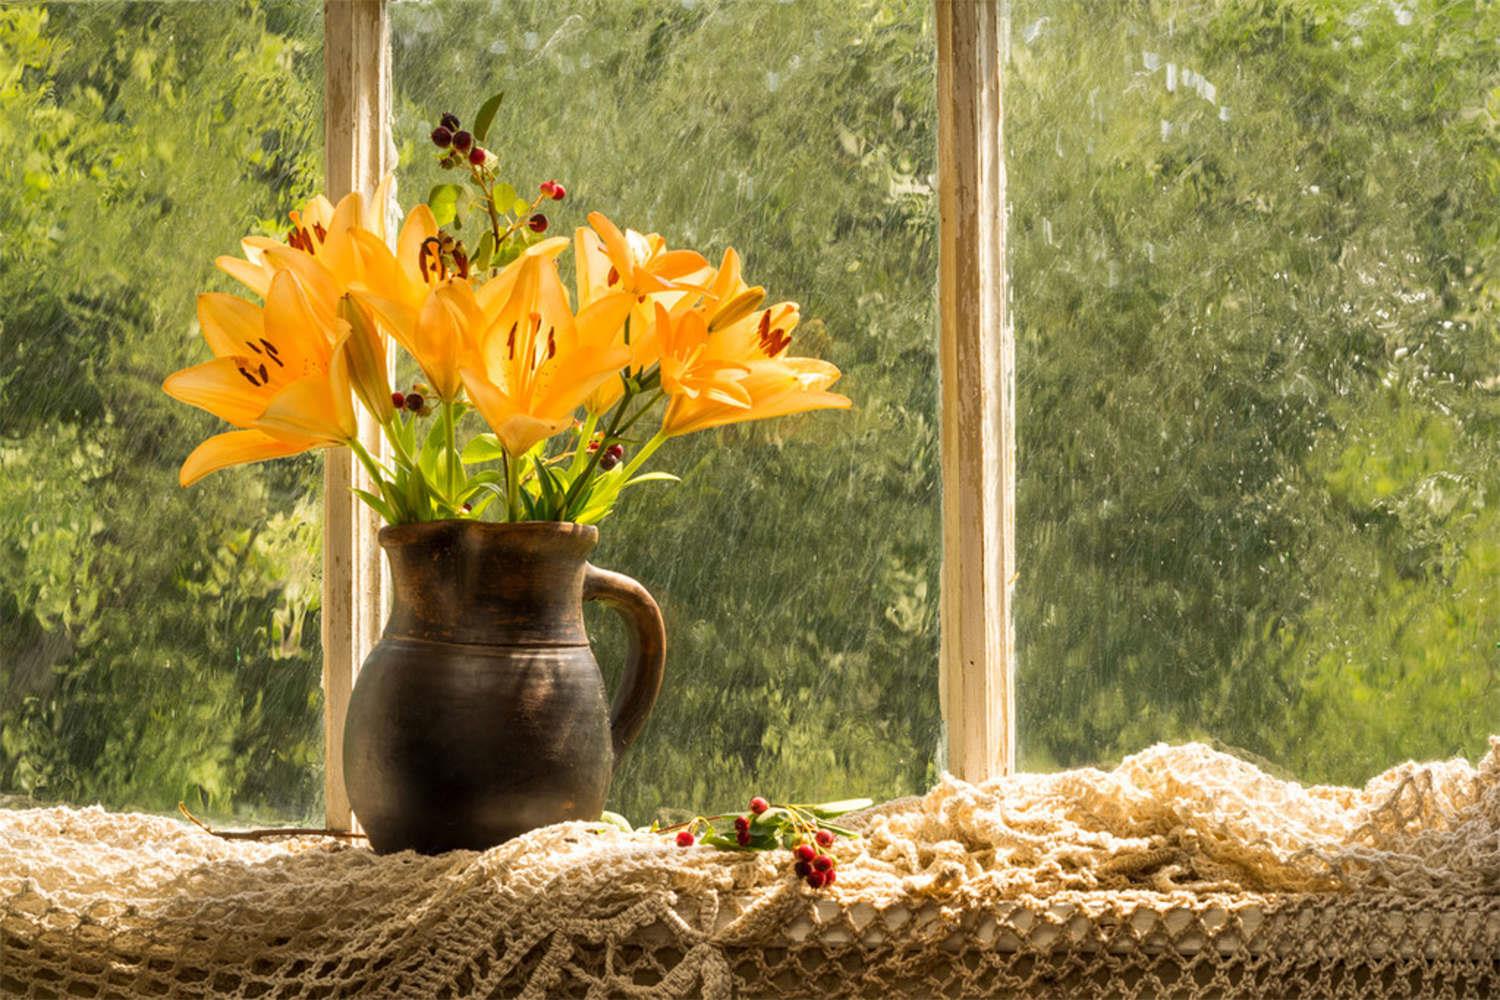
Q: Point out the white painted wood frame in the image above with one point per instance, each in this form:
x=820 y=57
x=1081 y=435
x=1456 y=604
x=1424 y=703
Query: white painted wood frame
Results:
x=357 y=154
x=977 y=363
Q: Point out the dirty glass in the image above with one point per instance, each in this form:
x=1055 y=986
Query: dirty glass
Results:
x=796 y=564
x=156 y=644
x=1255 y=267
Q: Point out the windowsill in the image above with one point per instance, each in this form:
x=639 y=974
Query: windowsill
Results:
x=941 y=896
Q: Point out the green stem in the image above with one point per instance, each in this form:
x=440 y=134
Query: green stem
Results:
x=646 y=452
x=581 y=453
x=377 y=477
x=450 y=442
x=614 y=427
x=513 y=488
x=641 y=412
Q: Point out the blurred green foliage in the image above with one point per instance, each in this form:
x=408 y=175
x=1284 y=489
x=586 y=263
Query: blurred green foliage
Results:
x=1255 y=255
x=156 y=644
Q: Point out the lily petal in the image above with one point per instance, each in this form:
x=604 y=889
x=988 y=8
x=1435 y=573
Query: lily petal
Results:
x=237 y=448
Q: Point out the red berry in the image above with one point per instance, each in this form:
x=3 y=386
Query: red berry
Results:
x=743 y=837
x=442 y=138
x=759 y=805
x=617 y=450
x=554 y=190
x=803 y=869
x=830 y=876
x=805 y=852
x=684 y=839
x=398 y=399
x=817 y=879
x=822 y=863
x=462 y=141
x=414 y=401
x=538 y=223
x=741 y=823
x=477 y=156
x=825 y=837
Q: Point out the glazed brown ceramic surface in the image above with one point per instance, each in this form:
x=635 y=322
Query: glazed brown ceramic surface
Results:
x=481 y=712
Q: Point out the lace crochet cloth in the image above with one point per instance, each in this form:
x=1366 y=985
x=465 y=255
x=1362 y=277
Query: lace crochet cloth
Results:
x=1184 y=871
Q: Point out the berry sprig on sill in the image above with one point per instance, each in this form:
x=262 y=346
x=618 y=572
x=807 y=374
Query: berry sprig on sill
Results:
x=804 y=830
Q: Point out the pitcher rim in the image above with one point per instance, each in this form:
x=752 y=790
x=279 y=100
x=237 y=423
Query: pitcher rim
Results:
x=398 y=534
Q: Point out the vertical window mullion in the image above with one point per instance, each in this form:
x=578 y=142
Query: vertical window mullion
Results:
x=357 y=154
x=977 y=364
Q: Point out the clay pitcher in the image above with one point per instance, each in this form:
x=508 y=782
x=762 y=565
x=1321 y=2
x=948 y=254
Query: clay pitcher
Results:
x=481 y=712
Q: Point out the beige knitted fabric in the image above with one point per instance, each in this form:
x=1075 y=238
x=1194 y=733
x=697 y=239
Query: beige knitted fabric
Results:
x=1184 y=871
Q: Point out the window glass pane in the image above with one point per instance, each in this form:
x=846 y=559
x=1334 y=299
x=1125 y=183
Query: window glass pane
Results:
x=1254 y=263
x=156 y=644
x=797 y=563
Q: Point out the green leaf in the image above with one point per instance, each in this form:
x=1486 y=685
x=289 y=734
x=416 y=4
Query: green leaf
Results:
x=485 y=115
x=520 y=207
x=650 y=477
x=615 y=819
x=504 y=195
x=377 y=504
x=482 y=448
x=483 y=253
x=443 y=200
x=828 y=810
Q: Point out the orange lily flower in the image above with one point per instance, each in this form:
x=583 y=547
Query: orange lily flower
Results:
x=279 y=375
x=536 y=362
x=640 y=267
x=441 y=328
x=742 y=373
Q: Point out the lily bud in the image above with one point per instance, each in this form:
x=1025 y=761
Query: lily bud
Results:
x=364 y=351
x=737 y=308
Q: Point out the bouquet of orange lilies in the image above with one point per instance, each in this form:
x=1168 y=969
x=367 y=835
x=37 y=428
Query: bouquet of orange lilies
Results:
x=558 y=380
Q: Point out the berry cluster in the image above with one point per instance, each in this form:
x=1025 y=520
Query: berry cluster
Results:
x=414 y=401
x=804 y=830
x=507 y=215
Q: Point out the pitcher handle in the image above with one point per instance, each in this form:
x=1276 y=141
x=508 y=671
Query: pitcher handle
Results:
x=646 y=658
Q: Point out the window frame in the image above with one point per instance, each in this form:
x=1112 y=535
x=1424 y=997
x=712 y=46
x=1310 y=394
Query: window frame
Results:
x=977 y=390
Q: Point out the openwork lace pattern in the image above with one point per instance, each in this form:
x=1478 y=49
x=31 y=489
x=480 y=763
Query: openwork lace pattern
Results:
x=1183 y=872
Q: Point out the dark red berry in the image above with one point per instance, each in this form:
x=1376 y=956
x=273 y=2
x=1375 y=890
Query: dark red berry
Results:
x=414 y=401
x=442 y=138
x=830 y=876
x=684 y=839
x=803 y=869
x=617 y=450
x=398 y=399
x=822 y=863
x=477 y=155
x=759 y=805
x=825 y=837
x=805 y=852
x=538 y=223
x=741 y=823
x=817 y=879
x=462 y=141
x=743 y=837
x=608 y=462
x=449 y=121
